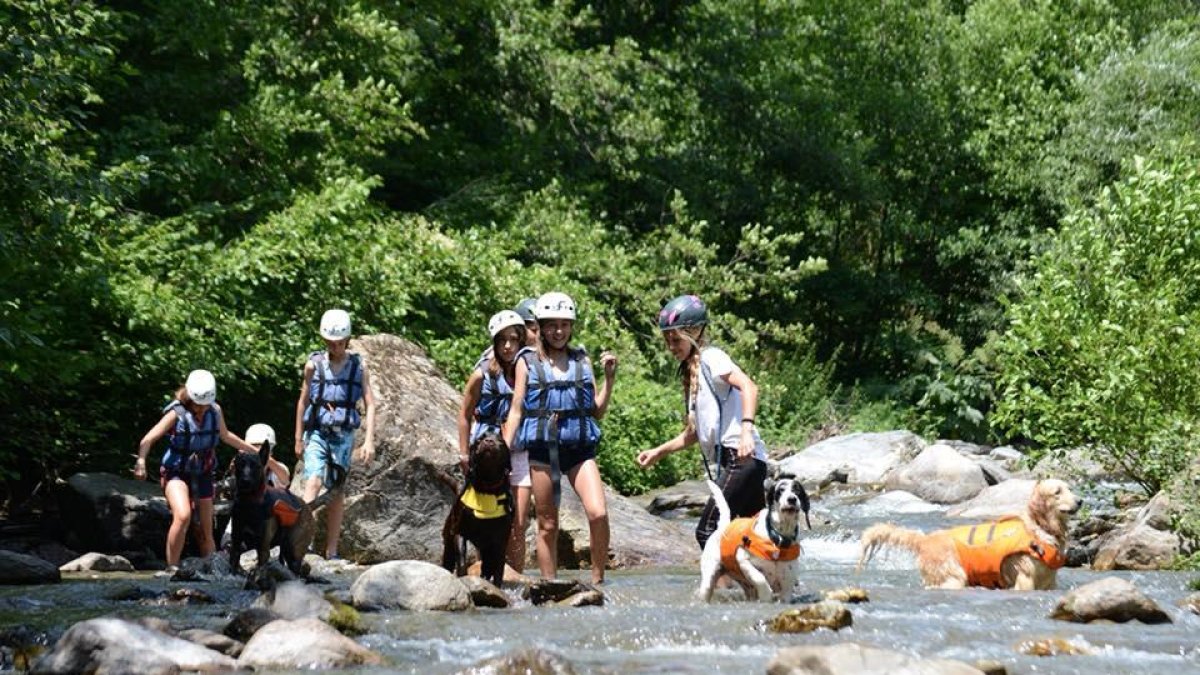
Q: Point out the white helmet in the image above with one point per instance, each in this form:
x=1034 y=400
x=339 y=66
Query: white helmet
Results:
x=335 y=325
x=260 y=433
x=504 y=319
x=201 y=387
x=554 y=305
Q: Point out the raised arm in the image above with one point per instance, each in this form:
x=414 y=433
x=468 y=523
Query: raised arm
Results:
x=608 y=361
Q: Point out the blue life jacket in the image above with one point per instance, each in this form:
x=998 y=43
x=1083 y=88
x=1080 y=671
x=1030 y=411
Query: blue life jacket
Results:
x=332 y=398
x=572 y=399
x=192 y=441
x=495 y=399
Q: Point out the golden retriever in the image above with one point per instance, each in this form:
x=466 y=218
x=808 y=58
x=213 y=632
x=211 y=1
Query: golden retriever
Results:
x=1021 y=552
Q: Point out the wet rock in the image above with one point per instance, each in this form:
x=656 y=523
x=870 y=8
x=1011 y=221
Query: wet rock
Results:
x=806 y=619
x=155 y=623
x=214 y=641
x=346 y=620
x=543 y=591
x=940 y=475
x=267 y=577
x=589 y=598
x=989 y=667
x=213 y=565
x=20 y=569
x=1109 y=599
x=97 y=562
x=131 y=592
x=109 y=645
x=523 y=662
x=295 y=600
x=108 y=513
x=247 y=622
x=179 y=596
x=304 y=643
x=21 y=645
x=1009 y=497
x=409 y=584
x=1055 y=647
x=863 y=458
x=484 y=593
x=1147 y=543
x=682 y=500
x=1191 y=603
x=853 y=659
x=850 y=595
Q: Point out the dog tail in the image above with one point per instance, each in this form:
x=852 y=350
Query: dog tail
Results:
x=886 y=534
x=722 y=505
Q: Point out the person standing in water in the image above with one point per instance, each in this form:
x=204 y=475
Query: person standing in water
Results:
x=194 y=425
x=487 y=399
x=555 y=407
x=721 y=401
x=334 y=381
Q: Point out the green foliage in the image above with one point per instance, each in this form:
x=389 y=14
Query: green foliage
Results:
x=642 y=415
x=1103 y=339
x=850 y=186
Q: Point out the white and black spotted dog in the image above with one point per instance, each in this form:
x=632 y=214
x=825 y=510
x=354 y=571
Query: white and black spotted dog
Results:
x=761 y=552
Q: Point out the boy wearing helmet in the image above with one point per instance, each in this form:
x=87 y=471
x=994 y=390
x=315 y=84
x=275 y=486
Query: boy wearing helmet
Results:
x=487 y=399
x=555 y=406
x=334 y=381
x=194 y=424
x=721 y=401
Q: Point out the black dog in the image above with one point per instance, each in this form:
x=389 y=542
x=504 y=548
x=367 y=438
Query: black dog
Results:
x=487 y=475
x=266 y=516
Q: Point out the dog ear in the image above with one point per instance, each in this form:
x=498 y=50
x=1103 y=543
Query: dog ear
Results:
x=769 y=491
x=264 y=453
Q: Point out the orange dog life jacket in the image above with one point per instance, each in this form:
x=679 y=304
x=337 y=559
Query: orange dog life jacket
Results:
x=741 y=534
x=286 y=513
x=982 y=548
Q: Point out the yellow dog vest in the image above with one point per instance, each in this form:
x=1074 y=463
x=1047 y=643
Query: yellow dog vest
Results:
x=982 y=548
x=740 y=534
x=484 y=505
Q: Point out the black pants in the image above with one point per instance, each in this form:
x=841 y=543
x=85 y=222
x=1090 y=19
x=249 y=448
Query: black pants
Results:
x=742 y=484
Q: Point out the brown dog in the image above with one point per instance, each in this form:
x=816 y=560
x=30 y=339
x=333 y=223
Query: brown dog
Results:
x=1021 y=552
x=483 y=512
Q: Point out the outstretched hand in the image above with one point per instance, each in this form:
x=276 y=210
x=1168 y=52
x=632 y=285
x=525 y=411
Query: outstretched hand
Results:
x=647 y=458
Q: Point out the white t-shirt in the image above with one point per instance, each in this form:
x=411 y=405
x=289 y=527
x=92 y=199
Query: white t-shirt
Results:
x=729 y=416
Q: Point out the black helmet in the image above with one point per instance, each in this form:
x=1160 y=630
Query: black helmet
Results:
x=525 y=309
x=683 y=312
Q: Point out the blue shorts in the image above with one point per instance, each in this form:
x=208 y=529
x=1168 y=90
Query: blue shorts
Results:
x=320 y=445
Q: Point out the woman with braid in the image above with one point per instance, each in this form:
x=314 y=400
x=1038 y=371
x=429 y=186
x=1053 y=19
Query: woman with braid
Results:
x=721 y=401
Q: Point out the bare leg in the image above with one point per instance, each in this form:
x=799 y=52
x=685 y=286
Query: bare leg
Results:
x=586 y=480
x=180 y=501
x=547 y=521
x=204 y=511
x=333 y=523
x=516 y=542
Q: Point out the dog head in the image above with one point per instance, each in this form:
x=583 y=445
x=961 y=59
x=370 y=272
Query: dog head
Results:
x=1052 y=502
x=787 y=497
x=490 y=464
x=250 y=471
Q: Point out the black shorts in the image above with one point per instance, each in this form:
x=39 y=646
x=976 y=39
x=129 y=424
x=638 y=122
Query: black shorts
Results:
x=742 y=484
x=568 y=457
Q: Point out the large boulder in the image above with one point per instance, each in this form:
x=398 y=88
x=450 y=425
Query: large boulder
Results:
x=108 y=645
x=20 y=569
x=1147 y=543
x=862 y=458
x=940 y=474
x=409 y=584
x=395 y=508
x=110 y=514
x=854 y=659
x=1007 y=498
x=97 y=562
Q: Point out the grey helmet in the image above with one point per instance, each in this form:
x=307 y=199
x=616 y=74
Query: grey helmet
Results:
x=684 y=311
x=525 y=309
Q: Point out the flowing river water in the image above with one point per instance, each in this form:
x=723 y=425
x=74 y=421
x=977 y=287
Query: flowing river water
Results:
x=652 y=623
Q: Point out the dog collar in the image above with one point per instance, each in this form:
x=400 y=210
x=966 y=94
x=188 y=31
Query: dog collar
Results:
x=777 y=538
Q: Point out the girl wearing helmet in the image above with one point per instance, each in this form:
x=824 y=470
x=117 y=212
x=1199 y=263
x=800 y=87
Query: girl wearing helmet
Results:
x=555 y=406
x=721 y=401
x=487 y=399
x=334 y=381
x=194 y=425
